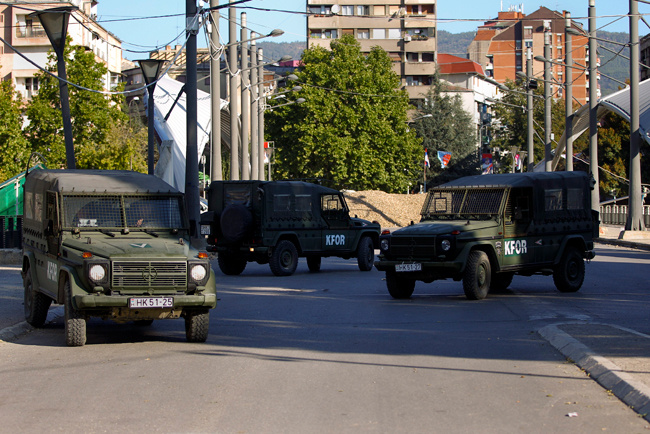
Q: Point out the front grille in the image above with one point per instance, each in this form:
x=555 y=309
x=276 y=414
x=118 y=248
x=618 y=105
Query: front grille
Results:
x=412 y=247
x=150 y=274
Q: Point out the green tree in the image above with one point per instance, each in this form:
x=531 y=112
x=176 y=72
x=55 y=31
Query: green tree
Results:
x=96 y=118
x=449 y=128
x=352 y=128
x=14 y=148
x=510 y=121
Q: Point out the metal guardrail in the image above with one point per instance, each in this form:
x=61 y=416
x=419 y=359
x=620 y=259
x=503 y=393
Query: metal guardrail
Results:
x=617 y=215
x=11 y=229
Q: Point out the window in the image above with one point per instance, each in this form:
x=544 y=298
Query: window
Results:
x=528 y=32
x=553 y=200
x=378 y=34
x=330 y=34
x=347 y=32
x=395 y=56
x=420 y=9
x=363 y=10
x=347 y=10
x=320 y=10
x=317 y=34
x=31 y=87
x=27 y=28
x=427 y=57
x=419 y=34
x=418 y=80
x=363 y=34
x=412 y=57
x=379 y=10
x=394 y=33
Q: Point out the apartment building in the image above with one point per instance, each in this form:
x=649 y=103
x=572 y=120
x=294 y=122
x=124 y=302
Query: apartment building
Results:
x=27 y=36
x=500 y=46
x=405 y=29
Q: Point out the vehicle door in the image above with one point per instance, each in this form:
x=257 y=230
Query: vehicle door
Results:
x=336 y=234
x=518 y=249
x=47 y=268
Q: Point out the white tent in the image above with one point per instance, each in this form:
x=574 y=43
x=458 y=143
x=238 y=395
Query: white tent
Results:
x=172 y=130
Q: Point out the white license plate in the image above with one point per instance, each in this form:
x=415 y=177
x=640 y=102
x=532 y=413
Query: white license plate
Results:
x=408 y=267
x=145 y=302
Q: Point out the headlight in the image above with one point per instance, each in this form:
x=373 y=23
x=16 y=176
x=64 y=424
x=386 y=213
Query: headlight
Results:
x=96 y=273
x=445 y=245
x=383 y=244
x=198 y=273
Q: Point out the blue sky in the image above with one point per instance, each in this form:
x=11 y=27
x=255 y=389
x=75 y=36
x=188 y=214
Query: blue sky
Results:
x=135 y=24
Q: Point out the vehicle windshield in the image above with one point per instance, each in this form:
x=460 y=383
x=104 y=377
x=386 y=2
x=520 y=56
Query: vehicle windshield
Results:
x=88 y=212
x=470 y=204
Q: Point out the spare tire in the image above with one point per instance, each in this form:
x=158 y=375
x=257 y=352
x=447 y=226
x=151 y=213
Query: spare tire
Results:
x=236 y=222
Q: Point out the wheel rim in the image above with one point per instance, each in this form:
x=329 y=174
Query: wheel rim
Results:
x=481 y=276
x=572 y=270
x=286 y=258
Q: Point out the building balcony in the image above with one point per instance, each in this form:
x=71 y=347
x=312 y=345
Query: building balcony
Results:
x=419 y=68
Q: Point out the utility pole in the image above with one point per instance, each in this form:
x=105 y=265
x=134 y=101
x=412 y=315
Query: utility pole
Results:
x=635 y=211
x=568 y=92
x=548 y=158
x=262 y=107
x=191 y=152
x=234 y=118
x=216 y=172
x=529 y=111
x=593 y=106
x=245 y=101
x=255 y=149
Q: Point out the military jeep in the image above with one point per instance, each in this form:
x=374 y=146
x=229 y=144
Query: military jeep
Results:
x=276 y=222
x=485 y=229
x=114 y=245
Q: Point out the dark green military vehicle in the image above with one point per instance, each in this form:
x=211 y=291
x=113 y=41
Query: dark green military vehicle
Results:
x=276 y=222
x=485 y=229
x=115 y=245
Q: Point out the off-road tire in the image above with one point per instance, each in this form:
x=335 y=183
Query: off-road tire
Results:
x=75 y=321
x=231 y=266
x=197 y=325
x=37 y=304
x=365 y=254
x=477 y=276
x=236 y=222
x=284 y=259
x=501 y=281
x=399 y=286
x=313 y=263
x=569 y=274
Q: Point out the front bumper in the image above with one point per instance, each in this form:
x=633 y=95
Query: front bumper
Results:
x=90 y=301
x=442 y=268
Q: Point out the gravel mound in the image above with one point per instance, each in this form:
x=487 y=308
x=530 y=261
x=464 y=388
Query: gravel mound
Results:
x=390 y=210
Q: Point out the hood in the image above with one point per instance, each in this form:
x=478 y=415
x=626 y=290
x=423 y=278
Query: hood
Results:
x=440 y=228
x=131 y=246
x=356 y=221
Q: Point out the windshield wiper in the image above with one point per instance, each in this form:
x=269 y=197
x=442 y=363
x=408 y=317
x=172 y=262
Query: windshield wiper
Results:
x=150 y=232
x=107 y=232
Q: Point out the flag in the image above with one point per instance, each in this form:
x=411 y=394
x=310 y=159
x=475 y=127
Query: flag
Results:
x=517 y=162
x=486 y=164
x=426 y=158
x=444 y=158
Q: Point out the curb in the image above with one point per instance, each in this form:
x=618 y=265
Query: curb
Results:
x=607 y=374
x=623 y=243
x=11 y=333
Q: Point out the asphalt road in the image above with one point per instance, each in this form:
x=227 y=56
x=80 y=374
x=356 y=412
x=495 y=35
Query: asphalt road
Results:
x=332 y=352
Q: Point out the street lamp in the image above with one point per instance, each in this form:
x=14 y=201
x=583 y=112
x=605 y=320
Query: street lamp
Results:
x=150 y=70
x=55 y=24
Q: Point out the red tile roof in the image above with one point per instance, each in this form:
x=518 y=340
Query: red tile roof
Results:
x=449 y=64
